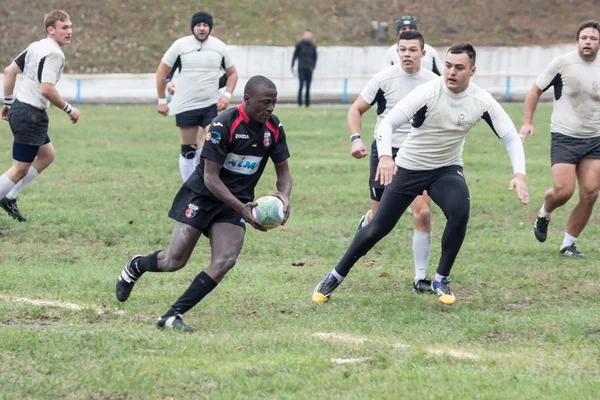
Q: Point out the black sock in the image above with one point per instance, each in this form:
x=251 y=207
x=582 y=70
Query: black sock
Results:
x=200 y=287
x=149 y=263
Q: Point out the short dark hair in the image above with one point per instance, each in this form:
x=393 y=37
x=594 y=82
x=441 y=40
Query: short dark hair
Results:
x=588 y=24
x=256 y=81
x=466 y=48
x=412 y=35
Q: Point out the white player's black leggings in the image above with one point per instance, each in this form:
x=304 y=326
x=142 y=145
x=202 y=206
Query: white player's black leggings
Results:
x=446 y=187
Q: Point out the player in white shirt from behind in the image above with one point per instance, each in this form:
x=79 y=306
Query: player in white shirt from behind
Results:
x=443 y=111
x=42 y=64
x=200 y=58
x=431 y=60
x=575 y=130
x=384 y=90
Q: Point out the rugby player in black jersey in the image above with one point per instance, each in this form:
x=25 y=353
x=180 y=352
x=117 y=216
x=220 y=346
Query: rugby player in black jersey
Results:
x=218 y=197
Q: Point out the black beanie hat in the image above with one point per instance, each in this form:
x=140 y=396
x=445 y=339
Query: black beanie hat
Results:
x=202 y=16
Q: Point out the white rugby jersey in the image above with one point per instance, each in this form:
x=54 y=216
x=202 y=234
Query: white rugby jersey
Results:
x=201 y=62
x=441 y=120
x=576 y=110
x=431 y=60
x=42 y=61
x=389 y=86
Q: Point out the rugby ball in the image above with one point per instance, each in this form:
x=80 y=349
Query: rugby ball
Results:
x=269 y=211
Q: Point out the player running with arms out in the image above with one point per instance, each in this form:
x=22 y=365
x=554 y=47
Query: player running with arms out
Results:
x=575 y=130
x=385 y=89
x=42 y=65
x=443 y=111
x=217 y=200
x=200 y=58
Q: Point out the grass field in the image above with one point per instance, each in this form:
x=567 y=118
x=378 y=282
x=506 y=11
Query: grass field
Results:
x=525 y=324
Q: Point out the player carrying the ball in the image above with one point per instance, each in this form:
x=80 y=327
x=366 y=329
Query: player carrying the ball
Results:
x=443 y=111
x=217 y=199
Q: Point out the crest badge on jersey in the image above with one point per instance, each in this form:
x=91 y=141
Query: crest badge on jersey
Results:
x=267 y=139
x=461 y=119
x=191 y=210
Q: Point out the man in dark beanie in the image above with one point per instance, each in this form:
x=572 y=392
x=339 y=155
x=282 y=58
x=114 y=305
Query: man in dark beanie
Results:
x=200 y=59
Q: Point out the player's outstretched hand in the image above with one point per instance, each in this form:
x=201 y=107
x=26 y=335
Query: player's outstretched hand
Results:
x=386 y=169
x=518 y=183
x=5 y=113
x=286 y=205
x=358 y=149
x=246 y=213
x=163 y=109
x=74 y=115
x=223 y=103
x=526 y=129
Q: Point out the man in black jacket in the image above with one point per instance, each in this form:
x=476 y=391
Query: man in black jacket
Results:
x=306 y=53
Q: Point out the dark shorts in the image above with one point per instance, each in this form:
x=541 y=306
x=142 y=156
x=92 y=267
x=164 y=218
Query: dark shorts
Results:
x=28 y=124
x=26 y=152
x=569 y=150
x=200 y=117
x=415 y=182
x=201 y=212
x=375 y=187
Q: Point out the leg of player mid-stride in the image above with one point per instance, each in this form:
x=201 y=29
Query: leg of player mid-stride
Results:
x=563 y=179
x=451 y=194
x=226 y=242
x=308 y=82
x=44 y=158
x=588 y=178
x=187 y=158
x=390 y=210
x=183 y=241
x=421 y=244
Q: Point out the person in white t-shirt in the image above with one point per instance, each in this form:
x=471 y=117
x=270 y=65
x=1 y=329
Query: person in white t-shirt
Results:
x=431 y=60
x=575 y=130
x=200 y=58
x=443 y=111
x=384 y=90
x=42 y=65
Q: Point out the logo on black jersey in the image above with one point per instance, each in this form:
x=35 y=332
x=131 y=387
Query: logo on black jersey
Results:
x=217 y=124
x=214 y=137
x=191 y=210
x=267 y=140
x=242 y=136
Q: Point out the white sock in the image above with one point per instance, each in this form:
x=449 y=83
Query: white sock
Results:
x=6 y=185
x=32 y=173
x=544 y=213
x=439 y=278
x=197 y=160
x=368 y=217
x=186 y=167
x=337 y=276
x=421 y=250
x=568 y=240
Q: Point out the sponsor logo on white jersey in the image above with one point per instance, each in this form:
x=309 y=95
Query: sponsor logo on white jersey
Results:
x=245 y=165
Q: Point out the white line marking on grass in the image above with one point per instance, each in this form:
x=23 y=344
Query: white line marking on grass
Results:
x=49 y=303
x=340 y=337
x=437 y=352
x=341 y=361
x=100 y=310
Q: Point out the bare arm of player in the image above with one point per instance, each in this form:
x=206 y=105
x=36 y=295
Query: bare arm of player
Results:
x=357 y=109
x=10 y=78
x=161 y=85
x=48 y=90
x=232 y=77
x=531 y=102
x=218 y=188
x=284 y=187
